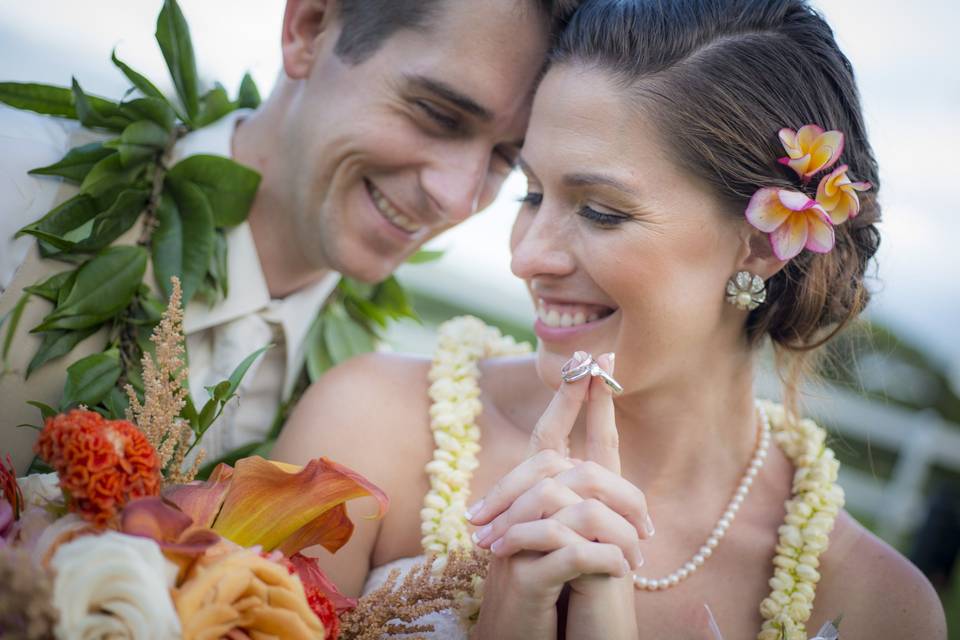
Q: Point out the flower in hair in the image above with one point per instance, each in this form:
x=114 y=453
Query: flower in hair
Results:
x=837 y=194
x=794 y=221
x=810 y=149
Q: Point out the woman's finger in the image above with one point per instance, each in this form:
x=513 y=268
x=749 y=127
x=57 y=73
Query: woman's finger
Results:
x=542 y=500
x=554 y=426
x=536 y=535
x=593 y=520
x=572 y=561
x=603 y=441
x=520 y=479
x=590 y=480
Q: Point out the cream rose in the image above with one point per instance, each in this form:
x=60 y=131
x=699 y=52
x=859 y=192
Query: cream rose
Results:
x=114 y=586
x=40 y=489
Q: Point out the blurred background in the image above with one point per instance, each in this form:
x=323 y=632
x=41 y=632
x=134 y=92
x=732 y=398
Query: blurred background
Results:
x=891 y=398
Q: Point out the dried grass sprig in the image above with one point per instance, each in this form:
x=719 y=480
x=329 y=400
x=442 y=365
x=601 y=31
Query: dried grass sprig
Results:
x=393 y=609
x=165 y=394
x=26 y=608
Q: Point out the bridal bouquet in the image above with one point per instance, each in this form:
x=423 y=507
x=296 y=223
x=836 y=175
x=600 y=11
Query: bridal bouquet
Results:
x=119 y=541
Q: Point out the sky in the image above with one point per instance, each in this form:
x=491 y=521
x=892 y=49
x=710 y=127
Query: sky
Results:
x=905 y=56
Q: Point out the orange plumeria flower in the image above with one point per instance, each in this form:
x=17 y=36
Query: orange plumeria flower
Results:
x=794 y=222
x=837 y=194
x=810 y=150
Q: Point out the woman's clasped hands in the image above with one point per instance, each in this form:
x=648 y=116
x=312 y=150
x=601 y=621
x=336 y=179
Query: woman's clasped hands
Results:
x=555 y=520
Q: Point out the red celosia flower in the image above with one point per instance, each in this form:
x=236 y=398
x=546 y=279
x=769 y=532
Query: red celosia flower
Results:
x=324 y=610
x=102 y=464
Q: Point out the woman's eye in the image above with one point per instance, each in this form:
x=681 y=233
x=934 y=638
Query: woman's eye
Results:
x=445 y=120
x=532 y=198
x=600 y=218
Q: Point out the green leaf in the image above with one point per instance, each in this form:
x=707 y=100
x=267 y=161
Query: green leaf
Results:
x=153 y=109
x=166 y=244
x=173 y=36
x=105 y=285
x=425 y=255
x=13 y=318
x=65 y=224
x=115 y=221
x=46 y=411
x=140 y=81
x=197 y=234
x=249 y=95
x=77 y=163
x=57 y=344
x=116 y=404
x=391 y=297
x=228 y=186
x=318 y=359
x=90 y=379
x=42 y=98
x=241 y=370
x=343 y=337
x=49 y=289
x=104 y=114
x=214 y=105
x=208 y=414
x=109 y=173
x=141 y=140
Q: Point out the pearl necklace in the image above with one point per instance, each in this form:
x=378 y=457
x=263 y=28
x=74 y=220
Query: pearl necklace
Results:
x=720 y=530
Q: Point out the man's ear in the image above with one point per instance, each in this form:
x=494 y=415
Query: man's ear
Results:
x=756 y=254
x=304 y=22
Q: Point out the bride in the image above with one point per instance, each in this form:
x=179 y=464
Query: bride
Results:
x=700 y=182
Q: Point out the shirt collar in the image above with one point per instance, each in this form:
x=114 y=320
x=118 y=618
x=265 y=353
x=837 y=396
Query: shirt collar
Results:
x=248 y=292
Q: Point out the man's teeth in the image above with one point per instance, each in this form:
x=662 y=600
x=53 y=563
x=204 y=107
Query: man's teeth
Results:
x=554 y=318
x=391 y=214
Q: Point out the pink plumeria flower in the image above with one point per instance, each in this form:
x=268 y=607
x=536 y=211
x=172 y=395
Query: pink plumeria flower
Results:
x=793 y=221
x=810 y=150
x=837 y=194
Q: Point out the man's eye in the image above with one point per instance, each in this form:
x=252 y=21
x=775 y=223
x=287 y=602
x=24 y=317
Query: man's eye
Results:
x=438 y=116
x=532 y=198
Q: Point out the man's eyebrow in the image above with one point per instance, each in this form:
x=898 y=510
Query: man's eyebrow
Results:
x=446 y=92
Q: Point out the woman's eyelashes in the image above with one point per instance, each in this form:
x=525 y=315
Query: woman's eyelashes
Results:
x=599 y=218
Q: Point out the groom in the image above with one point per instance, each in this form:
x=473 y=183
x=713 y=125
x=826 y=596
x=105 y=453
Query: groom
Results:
x=393 y=121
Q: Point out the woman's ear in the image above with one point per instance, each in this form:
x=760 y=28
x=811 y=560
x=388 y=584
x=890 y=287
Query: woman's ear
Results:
x=304 y=24
x=756 y=254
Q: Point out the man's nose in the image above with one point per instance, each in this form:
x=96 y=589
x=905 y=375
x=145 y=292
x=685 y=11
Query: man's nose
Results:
x=454 y=181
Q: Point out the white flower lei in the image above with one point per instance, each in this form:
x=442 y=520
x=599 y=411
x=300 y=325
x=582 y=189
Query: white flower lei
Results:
x=455 y=390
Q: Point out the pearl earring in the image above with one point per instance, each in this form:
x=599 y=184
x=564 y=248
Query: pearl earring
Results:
x=746 y=290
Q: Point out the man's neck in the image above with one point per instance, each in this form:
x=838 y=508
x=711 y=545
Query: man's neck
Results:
x=284 y=268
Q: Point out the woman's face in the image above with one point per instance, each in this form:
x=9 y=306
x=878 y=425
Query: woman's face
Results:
x=621 y=250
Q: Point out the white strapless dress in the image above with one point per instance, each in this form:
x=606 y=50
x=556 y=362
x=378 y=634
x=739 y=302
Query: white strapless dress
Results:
x=446 y=624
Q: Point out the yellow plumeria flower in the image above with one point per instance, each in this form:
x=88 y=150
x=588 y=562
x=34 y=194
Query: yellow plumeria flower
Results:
x=838 y=194
x=810 y=149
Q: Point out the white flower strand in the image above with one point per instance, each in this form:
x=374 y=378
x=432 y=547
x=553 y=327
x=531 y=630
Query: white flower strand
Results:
x=804 y=536
x=455 y=391
x=726 y=519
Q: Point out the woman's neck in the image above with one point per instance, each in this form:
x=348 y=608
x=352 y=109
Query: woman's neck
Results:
x=688 y=432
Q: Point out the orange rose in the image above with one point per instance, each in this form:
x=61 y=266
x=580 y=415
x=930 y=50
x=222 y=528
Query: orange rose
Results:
x=242 y=591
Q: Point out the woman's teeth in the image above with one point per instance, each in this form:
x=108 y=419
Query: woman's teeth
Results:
x=555 y=318
x=390 y=213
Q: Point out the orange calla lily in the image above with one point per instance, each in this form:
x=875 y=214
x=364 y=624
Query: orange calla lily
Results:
x=277 y=505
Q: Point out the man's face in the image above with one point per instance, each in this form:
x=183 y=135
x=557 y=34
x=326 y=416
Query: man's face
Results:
x=382 y=155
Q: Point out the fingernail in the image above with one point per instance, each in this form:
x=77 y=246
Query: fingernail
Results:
x=474 y=509
x=613 y=358
x=580 y=356
x=496 y=545
x=648 y=526
x=481 y=534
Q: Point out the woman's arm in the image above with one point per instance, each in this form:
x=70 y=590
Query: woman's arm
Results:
x=371 y=415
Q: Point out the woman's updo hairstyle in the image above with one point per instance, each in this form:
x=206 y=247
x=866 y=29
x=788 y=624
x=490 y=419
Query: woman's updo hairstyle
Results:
x=720 y=78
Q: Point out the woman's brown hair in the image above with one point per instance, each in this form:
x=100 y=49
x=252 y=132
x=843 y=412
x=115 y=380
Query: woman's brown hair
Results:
x=721 y=78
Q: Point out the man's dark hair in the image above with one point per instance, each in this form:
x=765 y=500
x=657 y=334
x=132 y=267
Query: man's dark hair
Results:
x=368 y=23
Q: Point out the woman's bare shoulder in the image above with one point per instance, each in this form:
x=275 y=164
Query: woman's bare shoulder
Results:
x=371 y=409
x=879 y=593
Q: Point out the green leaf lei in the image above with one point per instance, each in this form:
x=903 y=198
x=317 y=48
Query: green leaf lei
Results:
x=185 y=210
